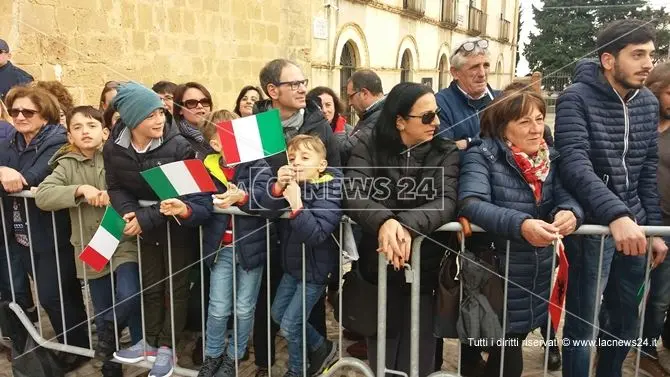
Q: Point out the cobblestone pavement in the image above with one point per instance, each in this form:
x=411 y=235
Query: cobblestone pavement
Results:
x=533 y=357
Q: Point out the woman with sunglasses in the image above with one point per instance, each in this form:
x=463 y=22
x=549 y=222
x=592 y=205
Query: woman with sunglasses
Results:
x=509 y=186
x=412 y=178
x=192 y=103
x=24 y=158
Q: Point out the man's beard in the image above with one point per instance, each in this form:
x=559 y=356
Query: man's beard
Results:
x=621 y=79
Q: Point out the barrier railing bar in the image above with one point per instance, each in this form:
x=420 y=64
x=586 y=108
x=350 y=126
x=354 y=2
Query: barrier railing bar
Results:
x=36 y=297
x=304 y=314
x=504 y=321
x=598 y=295
x=9 y=259
x=202 y=292
x=234 y=312
x=552 y=282
x=171 y=294
x=87 y=291
x=643 y=303
x=414 y=307
x=270 y=339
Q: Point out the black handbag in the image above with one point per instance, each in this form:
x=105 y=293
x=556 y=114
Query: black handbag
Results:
x=359 y=304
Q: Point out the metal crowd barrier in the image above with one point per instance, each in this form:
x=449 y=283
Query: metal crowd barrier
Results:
x=343 y=362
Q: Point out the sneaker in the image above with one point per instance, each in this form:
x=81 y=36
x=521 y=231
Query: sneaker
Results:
x=164 y=364
x=136 y=353
x=210 y=366
x=650 y=366
x=106 y=346
x=262 y=372
x=227 y=368
x=321 y=358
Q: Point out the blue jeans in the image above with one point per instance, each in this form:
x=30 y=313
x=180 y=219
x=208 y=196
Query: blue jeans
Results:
x=248 y=283
x=127 y=298
x=657 y=304
x=287 y=313
x=618 y=317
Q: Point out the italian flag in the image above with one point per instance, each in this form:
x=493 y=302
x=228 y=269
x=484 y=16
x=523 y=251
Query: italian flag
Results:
x=179 y=178
x=251 y=138
x=105 y=240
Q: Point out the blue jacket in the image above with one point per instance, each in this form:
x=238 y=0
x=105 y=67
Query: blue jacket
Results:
x=33 y=163
x=249 y=231
x=314 y=226
x=459 y=115
x=494 y=196
x=10 y=76
x=5 y=130
x=609 y=148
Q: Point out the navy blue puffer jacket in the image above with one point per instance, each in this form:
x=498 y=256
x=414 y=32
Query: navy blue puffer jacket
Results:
x=494 y=195
x=314 y=226
x=250 y=233
x=608 y=147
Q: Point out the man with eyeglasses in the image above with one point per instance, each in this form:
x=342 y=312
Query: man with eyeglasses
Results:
x=286 y=87
x=10 y=75
x=468 y=94
x=366 y=95
x=166 y=90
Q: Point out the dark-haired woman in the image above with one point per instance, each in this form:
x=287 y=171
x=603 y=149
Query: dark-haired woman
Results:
x=107 y=94
x=401 y=149
x=244 y=104
x=192 y=103
x=509 y=186
x=331 y=108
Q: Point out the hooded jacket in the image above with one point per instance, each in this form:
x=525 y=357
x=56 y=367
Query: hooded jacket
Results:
x=72 y=169
x=494 y=195
x=126 y=186
x=609 y=148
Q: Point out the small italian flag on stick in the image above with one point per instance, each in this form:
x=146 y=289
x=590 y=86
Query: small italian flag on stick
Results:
x=105 y=240
x=179 y=178
x=251 y=138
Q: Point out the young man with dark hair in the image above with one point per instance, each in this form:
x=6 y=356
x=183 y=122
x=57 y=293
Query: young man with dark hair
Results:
x=606 y=133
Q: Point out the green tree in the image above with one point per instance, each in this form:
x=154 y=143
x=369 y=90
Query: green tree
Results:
x=567 y=31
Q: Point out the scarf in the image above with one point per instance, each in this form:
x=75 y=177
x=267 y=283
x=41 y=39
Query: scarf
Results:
x=534 y=168
x=293 y=124
x=191 y=132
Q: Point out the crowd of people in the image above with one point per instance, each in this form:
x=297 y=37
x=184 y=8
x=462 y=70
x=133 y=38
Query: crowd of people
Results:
x=487 y=156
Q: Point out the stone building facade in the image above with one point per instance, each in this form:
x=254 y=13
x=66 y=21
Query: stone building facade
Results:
x=224 y=43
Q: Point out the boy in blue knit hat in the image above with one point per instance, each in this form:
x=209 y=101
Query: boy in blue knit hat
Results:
x=141 y=140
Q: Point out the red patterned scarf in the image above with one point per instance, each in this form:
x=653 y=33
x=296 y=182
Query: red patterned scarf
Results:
x=534 y=168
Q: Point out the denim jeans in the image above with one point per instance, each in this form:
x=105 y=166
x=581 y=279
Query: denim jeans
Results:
x=21 y=268
x=127 y=299
x=657 y=304
x=248 y=283
x=287 y=312
x=618 y=317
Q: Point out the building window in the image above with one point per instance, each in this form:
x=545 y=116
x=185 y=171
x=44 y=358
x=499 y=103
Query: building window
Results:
x=444 y=72
x=347 y=68
x=406 y=67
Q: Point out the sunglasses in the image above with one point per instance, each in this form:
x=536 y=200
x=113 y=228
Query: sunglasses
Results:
x=427 y=118
x=193 y=103
x=27 y=113
x=470 y=46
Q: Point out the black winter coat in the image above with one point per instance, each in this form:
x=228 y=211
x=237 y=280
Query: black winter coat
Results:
x=126 y=187
x=495 y=196
x=609 y=148
x=418 y=188
x=365 y=124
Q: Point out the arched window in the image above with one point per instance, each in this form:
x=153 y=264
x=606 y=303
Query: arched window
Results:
x=444 y=72
x=406 y=67
x=348 y=65
x=499 y=74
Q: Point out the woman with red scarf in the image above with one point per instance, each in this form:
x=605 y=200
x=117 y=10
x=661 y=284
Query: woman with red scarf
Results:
x=510 y=186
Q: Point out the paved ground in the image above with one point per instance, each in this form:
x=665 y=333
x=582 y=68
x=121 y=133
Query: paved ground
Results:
x=533 y=358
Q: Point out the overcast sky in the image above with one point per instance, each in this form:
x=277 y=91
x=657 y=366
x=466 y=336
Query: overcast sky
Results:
x=529 y=26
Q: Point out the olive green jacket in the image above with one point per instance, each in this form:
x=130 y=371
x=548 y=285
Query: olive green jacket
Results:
x=71 y=169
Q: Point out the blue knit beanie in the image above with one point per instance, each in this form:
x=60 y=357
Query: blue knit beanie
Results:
x=135 y=103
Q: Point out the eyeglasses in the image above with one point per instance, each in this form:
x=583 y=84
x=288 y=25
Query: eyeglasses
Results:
x=427 y=118
x=27 y=113
x=295 y=85
x=193 y=103
x=470 y=46
x=353 y=94
x=168 y=97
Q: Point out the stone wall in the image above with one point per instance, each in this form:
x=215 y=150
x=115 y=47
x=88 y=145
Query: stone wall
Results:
x=221 y=43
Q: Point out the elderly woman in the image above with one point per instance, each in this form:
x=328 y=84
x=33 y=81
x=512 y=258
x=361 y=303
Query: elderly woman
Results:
x=24 y=158
x=510 y=187
x=421 y=197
